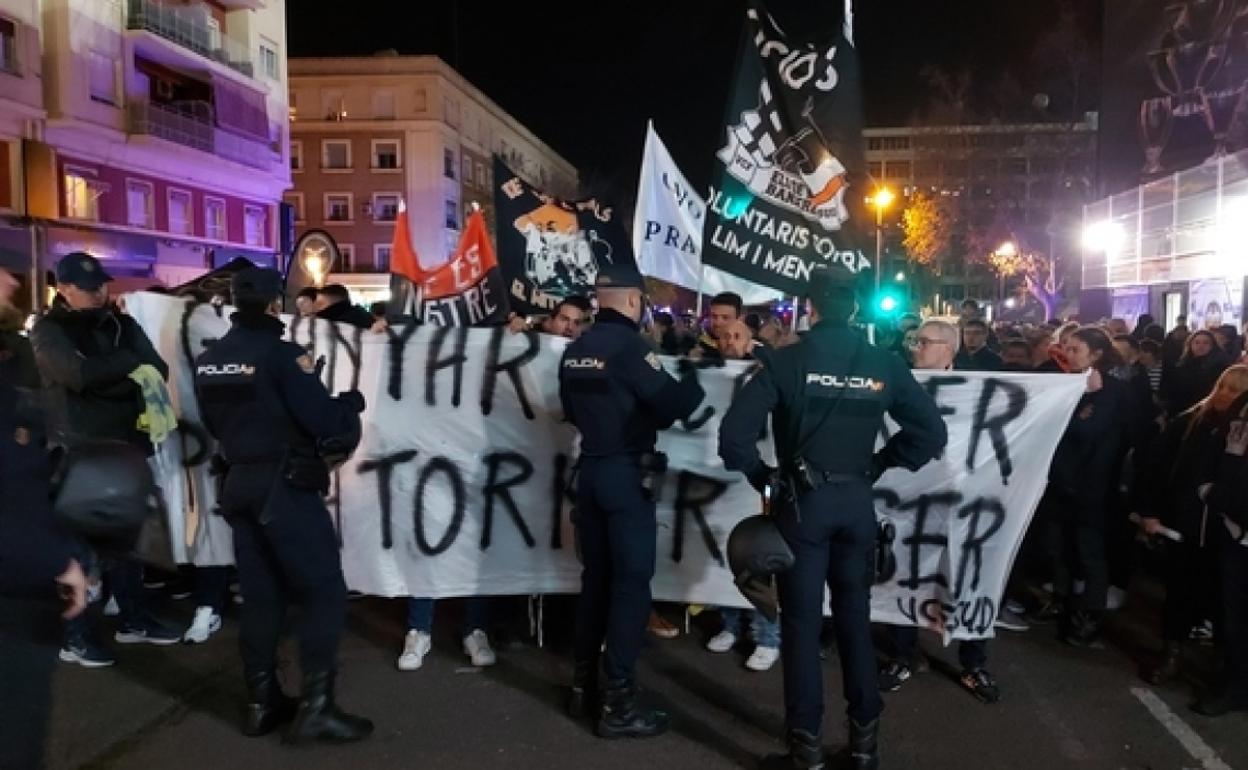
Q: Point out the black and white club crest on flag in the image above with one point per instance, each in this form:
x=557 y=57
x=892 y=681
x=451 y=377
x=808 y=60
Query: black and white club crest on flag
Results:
x=792 y=154
x=549 y=248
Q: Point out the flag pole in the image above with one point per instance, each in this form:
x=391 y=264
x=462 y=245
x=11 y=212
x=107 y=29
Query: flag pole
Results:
x=698 y=303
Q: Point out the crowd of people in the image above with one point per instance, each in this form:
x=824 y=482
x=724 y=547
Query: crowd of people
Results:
x=1154 y=456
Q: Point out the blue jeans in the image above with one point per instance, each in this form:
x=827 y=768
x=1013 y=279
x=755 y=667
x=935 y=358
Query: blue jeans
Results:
x=766 y=633
x=420 y=614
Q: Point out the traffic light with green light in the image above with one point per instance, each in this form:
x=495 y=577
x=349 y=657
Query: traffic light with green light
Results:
x=887 y=302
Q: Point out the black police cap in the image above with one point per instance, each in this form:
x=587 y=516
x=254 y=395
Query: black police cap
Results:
x=619 y=277
x=256 y=286
x=78 y=268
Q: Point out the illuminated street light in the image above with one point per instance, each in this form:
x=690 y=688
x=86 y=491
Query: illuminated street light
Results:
x=1011 y=303
x=882 y=199
x=1007 y=249
x=901 y=276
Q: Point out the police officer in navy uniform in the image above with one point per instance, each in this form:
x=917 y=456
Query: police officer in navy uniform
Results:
x=262 y=400
x=616 y=393
x=829 y=394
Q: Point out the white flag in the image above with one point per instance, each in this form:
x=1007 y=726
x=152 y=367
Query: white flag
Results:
x=667 y=230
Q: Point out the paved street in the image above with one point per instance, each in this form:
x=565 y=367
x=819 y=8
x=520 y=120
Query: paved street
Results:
x=1063 y=708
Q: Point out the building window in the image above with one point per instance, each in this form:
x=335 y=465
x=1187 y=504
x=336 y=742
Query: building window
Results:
x=140 y=204
x=467 y=177
x=338 y=207
x=296 y=156
x=214 y=219
x=452 y=215
x=347 y=251
x=8 y=46
x=383 y=104
x=873 y=143
x=385 y=154
x=898 y=169
x=181 y=218
x=268 y=60
x=385 y=207
x=448 y=162
x=255 y=219
x=335 y=108
x=336 y=154
x=381 y=257
x=481 y=178
x=295 y=200
x=874 y=169
x=82 y=194
x=103 y=77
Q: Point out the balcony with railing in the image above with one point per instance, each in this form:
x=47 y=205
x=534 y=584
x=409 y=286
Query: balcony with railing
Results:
x=189 y=27
x=192 y=124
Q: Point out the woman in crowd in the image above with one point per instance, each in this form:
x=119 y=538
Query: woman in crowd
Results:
x=1179 y=463
x=1193 y=377
x=1228 y=508
x=1076 y=501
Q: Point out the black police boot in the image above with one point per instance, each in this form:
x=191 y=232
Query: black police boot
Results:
x=320 y=719
x=583 y=698
x=267 y=705
x=864 y=747
x=623 y=717
x=805 y=753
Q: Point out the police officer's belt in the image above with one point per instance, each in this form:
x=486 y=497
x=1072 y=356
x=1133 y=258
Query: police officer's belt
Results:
x=829 y=477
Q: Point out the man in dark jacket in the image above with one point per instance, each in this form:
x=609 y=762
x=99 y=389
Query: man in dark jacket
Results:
x=975 y=356
x=86 y=350
x=335 y=305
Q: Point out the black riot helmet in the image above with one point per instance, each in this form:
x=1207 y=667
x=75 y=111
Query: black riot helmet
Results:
x=104 y=492
x=756 y=553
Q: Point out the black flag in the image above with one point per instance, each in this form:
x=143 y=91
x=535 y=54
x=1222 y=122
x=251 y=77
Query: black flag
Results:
x=781 y=202
x=548 y=248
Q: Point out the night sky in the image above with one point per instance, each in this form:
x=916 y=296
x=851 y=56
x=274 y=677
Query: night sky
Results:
x=584 y=77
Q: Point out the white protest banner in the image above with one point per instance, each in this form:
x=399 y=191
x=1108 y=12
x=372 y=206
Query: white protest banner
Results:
x=667 y=230
x=458 y=487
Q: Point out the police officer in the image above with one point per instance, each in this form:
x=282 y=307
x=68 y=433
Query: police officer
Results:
x=262 y=400
x=829 y=394
x=616 y=393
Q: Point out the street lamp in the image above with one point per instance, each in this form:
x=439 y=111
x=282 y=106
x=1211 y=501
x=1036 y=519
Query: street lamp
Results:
x=1006 y=249
x=882 y=199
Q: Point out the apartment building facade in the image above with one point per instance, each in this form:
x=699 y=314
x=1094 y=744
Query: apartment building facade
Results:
x=162 y=130
x=367 y=132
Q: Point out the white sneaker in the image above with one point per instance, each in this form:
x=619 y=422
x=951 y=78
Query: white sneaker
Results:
x=416 y=646
x=763 y=658
x=477 y=647
x=112 y=609
x=722 y=642
x=206 y=623
x=1115 y=598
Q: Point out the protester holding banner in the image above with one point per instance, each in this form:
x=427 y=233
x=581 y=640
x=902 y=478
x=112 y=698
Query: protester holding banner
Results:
x=829 y=394
x=935 y=349
x=616 y=393
x=737 y=343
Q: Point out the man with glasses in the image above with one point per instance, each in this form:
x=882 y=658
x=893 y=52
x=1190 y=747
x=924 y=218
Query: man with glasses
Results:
x=934 y=350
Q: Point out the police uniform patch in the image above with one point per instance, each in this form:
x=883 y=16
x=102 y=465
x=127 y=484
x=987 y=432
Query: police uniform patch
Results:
x=653 y=360
x=306 y=364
